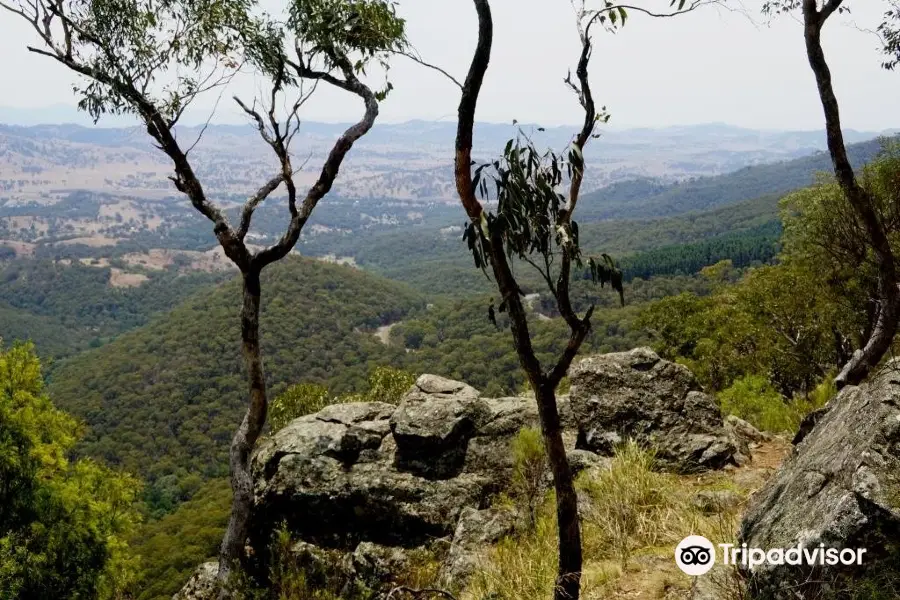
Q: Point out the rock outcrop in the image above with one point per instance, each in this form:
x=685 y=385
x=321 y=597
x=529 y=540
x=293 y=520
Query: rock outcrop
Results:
x=374 y=485
x=356 y=475
x=201 y=585
x=841 y=488
x=657 y=403
x=476 y=530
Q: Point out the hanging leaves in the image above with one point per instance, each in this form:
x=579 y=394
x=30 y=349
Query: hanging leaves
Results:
x=530 y=219
x=605 y=272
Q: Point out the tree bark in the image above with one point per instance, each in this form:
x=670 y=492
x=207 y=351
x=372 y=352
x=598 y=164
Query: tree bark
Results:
x=887 y=313
x=231 y=553
x=568 y=581
x=568 y=578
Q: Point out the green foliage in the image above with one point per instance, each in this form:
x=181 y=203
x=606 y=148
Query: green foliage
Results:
x=753 y=399
x=775 y=322
x=743 y=249
x=385 y=384
x=296 y=401
x=456 y=340
x=823 y=236
x=530 y=220
x=163 y=400
x=341 y=28
x=67 y=308
x=128 y=43
x=171 y=547
x=63 y=524
x=889 y=30
x=388 y=385
x=529 y=470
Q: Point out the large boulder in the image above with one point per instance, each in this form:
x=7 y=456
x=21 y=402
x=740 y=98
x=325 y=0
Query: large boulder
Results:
x=659 y=404
x=356 y=476
x=375 y=484
x=336 y=479
x=839 y=488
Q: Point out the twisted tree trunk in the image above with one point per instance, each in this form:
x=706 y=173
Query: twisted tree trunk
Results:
x=887 y=313
x=232 y=549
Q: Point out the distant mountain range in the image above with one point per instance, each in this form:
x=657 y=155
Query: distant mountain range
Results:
x=640 y=198
x=406 y=162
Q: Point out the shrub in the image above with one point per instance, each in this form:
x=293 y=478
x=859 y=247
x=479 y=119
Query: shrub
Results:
x=387 y=384
x=63 y=522
x=753 y=399
x=529 y=470
x=296 y=401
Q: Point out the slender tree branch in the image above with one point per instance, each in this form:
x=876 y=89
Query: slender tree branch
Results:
x=254 y=201
x=468 y=101
x=332 y=163
x=417 y=59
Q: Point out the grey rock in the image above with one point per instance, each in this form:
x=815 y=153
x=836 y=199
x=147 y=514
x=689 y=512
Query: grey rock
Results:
x=391 y=476
x=745 y=432
x=375 y=564
x=373 y=483
x=476 y=530
x=433 y=424
x=202 y=585
x=659 y=404
x=717 y=501
x=840 y=487
x=433 y=385
x=585 y=461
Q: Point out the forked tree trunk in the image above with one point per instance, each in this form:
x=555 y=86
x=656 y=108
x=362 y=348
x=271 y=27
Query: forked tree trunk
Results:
x=887 y=312
x=568 y=580
x=232 y=551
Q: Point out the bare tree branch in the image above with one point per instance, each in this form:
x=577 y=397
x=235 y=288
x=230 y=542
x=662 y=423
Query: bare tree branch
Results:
x=332 y=163
x=417 y=59
x=254 y=201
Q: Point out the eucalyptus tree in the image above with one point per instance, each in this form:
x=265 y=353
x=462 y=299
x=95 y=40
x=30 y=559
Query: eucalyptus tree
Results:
x=154 y=58
x=533 y=223
x=869 y=222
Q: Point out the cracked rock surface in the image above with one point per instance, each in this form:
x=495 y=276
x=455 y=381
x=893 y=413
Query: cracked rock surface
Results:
x=657 y=403
x=374 y=484
x=840 y=487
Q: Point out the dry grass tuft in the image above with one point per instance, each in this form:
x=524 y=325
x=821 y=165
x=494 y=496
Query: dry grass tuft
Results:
x=632 y=519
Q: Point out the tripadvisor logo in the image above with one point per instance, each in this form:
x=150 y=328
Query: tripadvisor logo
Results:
x=696 y=555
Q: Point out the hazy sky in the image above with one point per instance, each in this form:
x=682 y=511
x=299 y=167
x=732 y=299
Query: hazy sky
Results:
x=711 y=65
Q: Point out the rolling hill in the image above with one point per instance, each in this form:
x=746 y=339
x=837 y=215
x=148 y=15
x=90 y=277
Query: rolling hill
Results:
x=650 y=198
x=66 y=307
x=163 y=400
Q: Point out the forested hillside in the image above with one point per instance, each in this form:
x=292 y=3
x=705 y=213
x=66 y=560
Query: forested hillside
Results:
x=65 y=308
x=744 y=232
x=162 y=401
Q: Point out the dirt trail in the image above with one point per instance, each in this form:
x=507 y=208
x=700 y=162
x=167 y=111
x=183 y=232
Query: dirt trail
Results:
x=383 y=333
